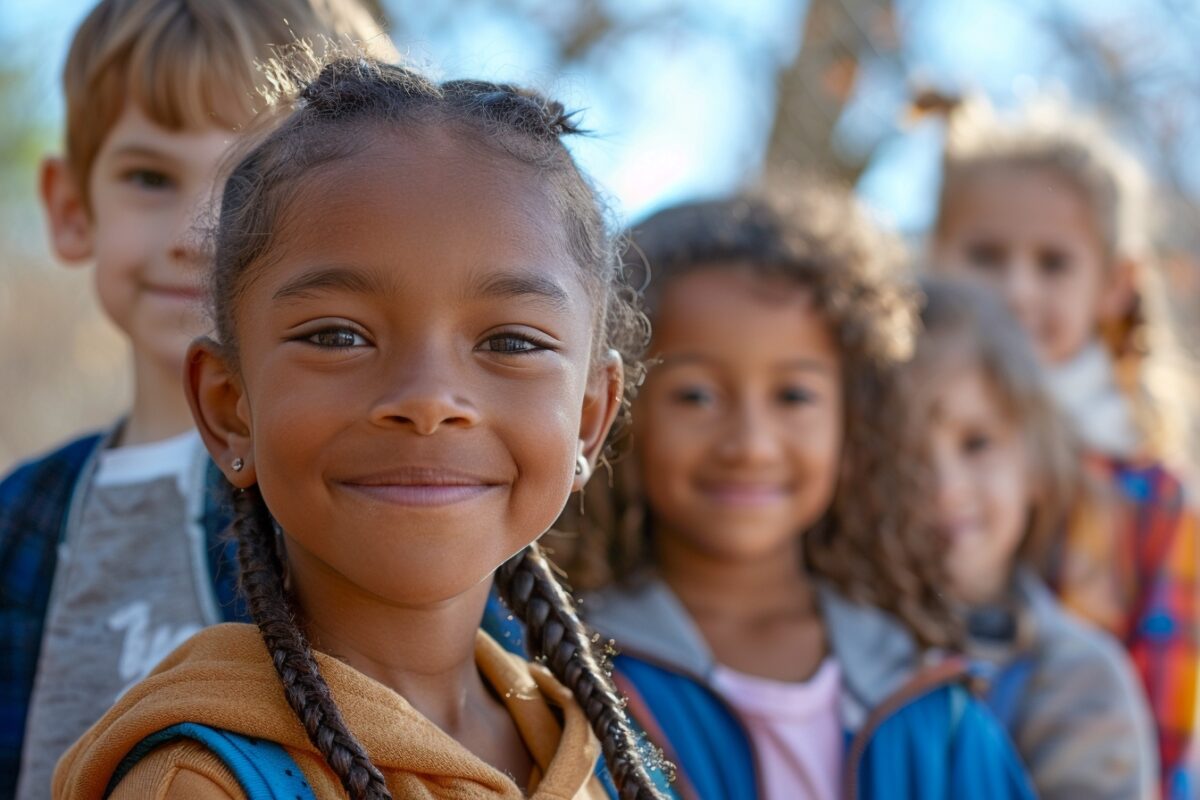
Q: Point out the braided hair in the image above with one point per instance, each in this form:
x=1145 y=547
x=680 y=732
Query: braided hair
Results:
x=323 y=103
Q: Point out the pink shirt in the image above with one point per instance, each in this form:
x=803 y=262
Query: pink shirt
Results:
x=796 y=730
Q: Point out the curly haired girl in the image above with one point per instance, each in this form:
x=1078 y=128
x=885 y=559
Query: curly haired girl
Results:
x=760 y=559
x=418 y=317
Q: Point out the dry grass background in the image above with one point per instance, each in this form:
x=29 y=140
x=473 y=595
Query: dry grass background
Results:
x=63 y=367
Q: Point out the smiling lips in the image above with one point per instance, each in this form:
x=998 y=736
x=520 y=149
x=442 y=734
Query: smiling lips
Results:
x=421 y=486
x=744 y=495
x=187 y=293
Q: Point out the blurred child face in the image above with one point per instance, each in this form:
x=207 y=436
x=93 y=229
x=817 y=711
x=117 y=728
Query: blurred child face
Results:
x=739 y=428
x=416 y=370
x=148 y=188
x=983 y=489
x=1030 y=234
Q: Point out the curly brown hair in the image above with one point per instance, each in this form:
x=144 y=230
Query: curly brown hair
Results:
x=870 y=543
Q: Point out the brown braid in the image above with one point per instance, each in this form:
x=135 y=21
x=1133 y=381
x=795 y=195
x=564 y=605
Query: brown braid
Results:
x=554 y=633
x=306 y=691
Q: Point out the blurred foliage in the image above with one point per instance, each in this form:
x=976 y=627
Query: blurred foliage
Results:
x=23 y=140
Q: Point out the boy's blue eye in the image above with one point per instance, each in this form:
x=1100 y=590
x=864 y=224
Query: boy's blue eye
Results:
x=336 y=338
x=148 y=179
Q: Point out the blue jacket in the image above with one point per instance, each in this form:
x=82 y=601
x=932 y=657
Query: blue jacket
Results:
x=39 y=502
x=911 y=731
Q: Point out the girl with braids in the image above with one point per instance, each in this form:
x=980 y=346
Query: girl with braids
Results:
x=758 y=557
x=1047 y=211
x=419 y=328
x=1005 y=476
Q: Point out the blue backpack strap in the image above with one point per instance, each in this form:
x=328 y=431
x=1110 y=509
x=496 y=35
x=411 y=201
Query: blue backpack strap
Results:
x=263 y=769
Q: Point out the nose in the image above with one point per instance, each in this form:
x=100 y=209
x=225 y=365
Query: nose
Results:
x=425 y=394
x=1021 y=291
x=188 y=241
x=750 y=437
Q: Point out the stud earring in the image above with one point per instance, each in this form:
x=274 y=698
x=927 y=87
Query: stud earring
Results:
x=581 y=464
x=238 y=464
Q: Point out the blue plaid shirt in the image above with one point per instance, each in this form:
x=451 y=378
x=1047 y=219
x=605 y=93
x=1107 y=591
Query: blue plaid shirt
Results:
x=34 y=503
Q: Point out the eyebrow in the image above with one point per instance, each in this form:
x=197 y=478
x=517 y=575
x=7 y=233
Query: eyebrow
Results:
x=525 y=284
x=140 y=150
x=683 y=359
x=325 y=279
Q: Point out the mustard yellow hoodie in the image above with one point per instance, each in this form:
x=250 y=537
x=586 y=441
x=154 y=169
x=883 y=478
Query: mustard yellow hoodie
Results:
x=223 y=678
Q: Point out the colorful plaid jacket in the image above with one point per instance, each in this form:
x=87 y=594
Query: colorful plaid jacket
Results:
x=36 y=501
x=1146 y=552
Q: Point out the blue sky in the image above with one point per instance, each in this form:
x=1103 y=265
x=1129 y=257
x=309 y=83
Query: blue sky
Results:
x=680 y=114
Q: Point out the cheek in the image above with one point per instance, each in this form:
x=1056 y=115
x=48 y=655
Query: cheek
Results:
x=669 y=447
x=1008 y=494
x=818 y=439
x=543 y=442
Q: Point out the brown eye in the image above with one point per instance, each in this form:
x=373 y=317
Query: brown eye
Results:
x=513 y=344
x=1053 y=262
x=986 y=255
x=976 y=443
x=336 y=338
x=694 y=396
x=795 y=396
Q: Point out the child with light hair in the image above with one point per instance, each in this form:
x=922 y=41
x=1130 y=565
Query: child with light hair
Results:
x=109 y=547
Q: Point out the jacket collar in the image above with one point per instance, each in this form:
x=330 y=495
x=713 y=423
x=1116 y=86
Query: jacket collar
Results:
x=875 y=653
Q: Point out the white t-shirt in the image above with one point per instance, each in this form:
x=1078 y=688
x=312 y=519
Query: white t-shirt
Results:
x=131 y=585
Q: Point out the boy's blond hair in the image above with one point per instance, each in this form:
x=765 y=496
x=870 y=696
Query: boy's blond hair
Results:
x=188 y=63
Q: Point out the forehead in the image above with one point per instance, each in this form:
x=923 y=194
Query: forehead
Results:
x=426 y=207
x=730 y=312
x=134 y=130
x=1008 y=200
x=960 y=390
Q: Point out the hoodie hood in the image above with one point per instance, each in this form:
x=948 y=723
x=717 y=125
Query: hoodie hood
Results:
x=876 y=655
x=224 y=678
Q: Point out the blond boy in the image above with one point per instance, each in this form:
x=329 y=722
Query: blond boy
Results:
x=109 y=547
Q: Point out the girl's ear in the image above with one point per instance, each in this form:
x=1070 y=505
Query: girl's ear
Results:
x=66 y=211
x=219 y=406
x=1117 y=296
x=601 y=403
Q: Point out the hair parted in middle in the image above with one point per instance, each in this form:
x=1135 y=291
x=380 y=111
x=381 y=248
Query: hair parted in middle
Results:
x=333 y=109
x=871 y=543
